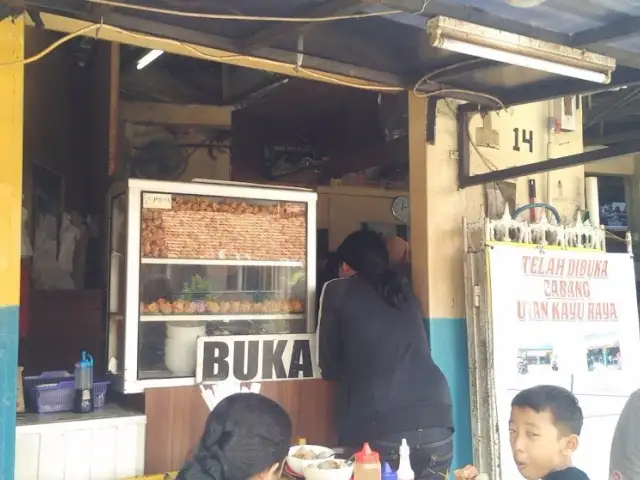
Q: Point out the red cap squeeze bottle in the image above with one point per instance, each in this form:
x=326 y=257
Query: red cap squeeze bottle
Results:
x=367 y=464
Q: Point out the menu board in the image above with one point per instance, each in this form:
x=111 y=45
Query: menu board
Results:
x=566 y=318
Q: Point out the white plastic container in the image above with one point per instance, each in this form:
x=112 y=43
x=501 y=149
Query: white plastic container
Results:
x=180 y=347
x=405 y=472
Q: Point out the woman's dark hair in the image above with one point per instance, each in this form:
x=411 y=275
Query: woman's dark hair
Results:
x=245 y=434
x=365 y=252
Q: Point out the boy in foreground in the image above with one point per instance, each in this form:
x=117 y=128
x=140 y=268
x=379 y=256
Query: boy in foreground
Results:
x=544 y=428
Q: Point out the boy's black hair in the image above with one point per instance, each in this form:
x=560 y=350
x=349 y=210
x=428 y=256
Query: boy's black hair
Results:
x=562 y=404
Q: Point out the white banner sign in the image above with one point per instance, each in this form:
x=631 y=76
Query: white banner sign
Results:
x=256 y=358
x=565 y=318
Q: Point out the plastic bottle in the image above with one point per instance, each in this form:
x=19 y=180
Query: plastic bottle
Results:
x=388 y=473
x=83 y=398
x=367 y=464
x=405 y=471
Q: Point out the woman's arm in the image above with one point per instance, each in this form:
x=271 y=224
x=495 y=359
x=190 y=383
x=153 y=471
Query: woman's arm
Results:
x=328 y=339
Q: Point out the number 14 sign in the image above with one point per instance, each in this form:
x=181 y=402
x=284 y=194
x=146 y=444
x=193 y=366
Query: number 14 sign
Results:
x=524 y=137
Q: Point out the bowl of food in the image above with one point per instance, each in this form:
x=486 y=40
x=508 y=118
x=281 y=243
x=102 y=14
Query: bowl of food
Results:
x=331 y=469
x=302 y=456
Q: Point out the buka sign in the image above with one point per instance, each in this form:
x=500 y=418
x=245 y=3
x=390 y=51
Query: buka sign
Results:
x=256 y=358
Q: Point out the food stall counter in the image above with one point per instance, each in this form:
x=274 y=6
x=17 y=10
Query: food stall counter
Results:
x=107 y=443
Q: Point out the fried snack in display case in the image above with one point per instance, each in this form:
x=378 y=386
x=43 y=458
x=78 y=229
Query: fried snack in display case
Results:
x=211 y=259
x=184 y=230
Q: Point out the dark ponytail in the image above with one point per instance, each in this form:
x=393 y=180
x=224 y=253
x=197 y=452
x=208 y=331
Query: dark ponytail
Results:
x=365 y=252
x=396 y=289
x=245 y=435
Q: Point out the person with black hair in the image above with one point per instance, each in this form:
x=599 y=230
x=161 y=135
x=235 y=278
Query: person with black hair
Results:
x=544 y=429
x=372 y=341
x=625 y=447
x=246 y=437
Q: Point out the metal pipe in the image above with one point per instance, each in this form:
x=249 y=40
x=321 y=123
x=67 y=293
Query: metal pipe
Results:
x=592 y=200
x=550 y=165
x=528 y=206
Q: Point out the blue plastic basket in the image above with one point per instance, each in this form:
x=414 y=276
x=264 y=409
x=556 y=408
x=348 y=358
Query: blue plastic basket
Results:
x=50 y=398
x=46 y=378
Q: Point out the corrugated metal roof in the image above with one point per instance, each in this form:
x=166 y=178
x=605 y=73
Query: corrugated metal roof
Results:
x=393 y=49
x=557 y=15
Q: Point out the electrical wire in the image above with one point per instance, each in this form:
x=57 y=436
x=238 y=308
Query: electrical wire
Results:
x=51 y=47
x=426 y=79
x=226 y=58
x=249 y=18
x=454 y=90
x=218 y=58
x=492 y=167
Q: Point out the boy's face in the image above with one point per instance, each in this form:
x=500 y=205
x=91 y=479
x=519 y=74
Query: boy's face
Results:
x=538 y=446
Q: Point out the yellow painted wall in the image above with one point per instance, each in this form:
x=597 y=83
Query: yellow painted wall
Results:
x=447 y=204
x=342 y=210
x=624 y=166
x=11 y=90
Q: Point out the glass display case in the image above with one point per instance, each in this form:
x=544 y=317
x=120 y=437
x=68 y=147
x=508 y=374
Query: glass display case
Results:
x=203 y=259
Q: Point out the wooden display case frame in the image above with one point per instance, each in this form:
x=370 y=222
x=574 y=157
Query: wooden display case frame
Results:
x=127 y=378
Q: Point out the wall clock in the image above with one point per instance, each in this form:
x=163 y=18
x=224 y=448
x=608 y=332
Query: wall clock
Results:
x=400 y=209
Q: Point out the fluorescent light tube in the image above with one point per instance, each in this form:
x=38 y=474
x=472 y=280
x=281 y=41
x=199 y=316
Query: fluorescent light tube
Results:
x=484 y=42
x=523 y=60
x=149 y=57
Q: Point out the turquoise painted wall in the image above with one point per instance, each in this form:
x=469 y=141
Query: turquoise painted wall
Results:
x=448 y=337
x=8 y=389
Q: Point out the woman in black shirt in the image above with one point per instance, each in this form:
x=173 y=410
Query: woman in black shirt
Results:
x=372 y=342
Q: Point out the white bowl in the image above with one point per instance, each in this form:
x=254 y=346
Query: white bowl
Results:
x=312 y=472
x=297 y=464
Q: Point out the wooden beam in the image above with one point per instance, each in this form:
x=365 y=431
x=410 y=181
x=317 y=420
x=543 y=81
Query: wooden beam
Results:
x=608 y=33
x=597 y=115
x=613 y=138
x=192 y=43
x=419 y=199
x=267 y=35
x=155 y=35
x=114 y=100
x=11 y=146
x=173 y=114
x=562 y=86
x=620 y=113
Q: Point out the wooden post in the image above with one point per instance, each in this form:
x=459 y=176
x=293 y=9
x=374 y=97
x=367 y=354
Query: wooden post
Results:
x=418 y=165
x=11 y=125
x=436 y=229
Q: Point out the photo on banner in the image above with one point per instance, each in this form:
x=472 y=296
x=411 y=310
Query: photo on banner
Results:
x=566 y=318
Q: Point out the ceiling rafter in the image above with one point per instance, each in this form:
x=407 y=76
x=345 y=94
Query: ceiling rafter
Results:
x=624 y=136
x=195 y=37
x=563 y=86
x=393 y=74
x=472 y=15
x=626 y=111
x=606 y=33
x=598 y=114
x=262 y=38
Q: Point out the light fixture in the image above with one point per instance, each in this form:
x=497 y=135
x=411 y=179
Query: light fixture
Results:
x=470 y=39
x=148 y=57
